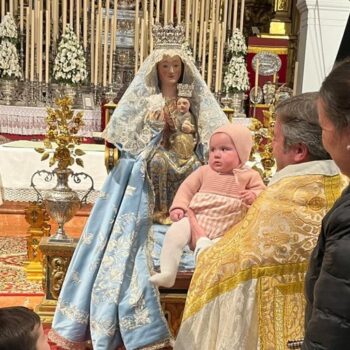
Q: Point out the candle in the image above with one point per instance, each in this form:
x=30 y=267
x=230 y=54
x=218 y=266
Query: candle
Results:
x=274 y=78
x=97 y=46
x=178 y=11
x=116 y=24
x=11 y=7
x=196 y=8
x=64 y=10
x=47 y=46
x=85 y=25
x=157 y=11
x=77 y=27
x=150 y=21
x=171 y=11
x=27 y=44
x=235 y=10
x=218 y=49
x=201 y=24
x=92 y=42
x=256 y=78
x=210 y=60
x=229 y=19
x=71 y=5
x=204 y=48
x=142 y=40
x=187 y=20
x=21 y=16
x=165 y=9
x=40 y=46
x=242 y=16
x=295 y=85
x=136 y=36
x=105 y=51
x=111 y=50
x=32 y=46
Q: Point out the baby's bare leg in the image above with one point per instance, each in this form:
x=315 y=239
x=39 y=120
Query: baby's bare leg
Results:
x=176 y=238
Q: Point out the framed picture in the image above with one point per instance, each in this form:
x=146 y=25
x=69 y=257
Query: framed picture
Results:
x=88 y=101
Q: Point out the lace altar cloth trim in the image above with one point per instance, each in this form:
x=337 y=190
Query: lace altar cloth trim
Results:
x=31 y=121
x=29 y=195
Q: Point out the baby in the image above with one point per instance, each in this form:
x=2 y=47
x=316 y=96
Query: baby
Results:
x=184 y=115
x=212 y=199
x=21 y=328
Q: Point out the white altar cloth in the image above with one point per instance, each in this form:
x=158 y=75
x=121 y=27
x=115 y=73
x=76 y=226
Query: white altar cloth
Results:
x=19 y=161
x=31 y=121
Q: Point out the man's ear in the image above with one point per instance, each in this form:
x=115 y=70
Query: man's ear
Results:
x=301 y=153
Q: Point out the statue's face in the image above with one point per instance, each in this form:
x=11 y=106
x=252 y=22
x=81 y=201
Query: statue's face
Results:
x=183 y=105
x=169 y=70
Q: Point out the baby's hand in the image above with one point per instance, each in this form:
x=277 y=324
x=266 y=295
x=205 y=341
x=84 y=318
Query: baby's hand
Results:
x=176 y=214
x=187 y=127
x=247 y=197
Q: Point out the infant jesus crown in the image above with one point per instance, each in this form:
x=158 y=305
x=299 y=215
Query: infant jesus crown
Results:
x=184 y=90
x=168 y=37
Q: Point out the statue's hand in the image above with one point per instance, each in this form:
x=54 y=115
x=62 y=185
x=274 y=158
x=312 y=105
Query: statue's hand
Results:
x=187 y=127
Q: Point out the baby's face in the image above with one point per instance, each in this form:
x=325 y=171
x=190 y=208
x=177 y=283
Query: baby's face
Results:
x=183 y=105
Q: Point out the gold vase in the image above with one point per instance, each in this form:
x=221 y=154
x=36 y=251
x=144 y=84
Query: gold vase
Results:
x=8 y=87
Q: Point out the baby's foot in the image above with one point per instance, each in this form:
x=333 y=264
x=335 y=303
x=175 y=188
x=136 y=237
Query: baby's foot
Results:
x=163 y=279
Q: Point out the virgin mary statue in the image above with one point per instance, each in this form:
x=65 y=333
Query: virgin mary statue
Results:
x=106 y=296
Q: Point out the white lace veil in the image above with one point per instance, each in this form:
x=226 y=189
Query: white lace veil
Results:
x=126 y=127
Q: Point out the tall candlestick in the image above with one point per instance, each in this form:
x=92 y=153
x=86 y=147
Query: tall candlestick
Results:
x=211 y=47
x=295 y=85
x=242 y=16
x=85 y=25
x=142 y=40
x=218 y=50
x=115 y=13
x=204 y=48
x=11 y=7
x=201 y=24
x=256 y=78
x=172 y=11
x=165 y=9
x=40 y=47
x=274 y=78
x=71 y=7
x=235 y=10
x=77 y=21
x=229 y=19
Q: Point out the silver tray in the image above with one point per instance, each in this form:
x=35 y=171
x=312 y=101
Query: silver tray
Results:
x=269 y=63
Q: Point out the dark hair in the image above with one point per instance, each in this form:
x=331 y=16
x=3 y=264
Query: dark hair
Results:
x=299 y=121
x=334 y=94
x=17 y=328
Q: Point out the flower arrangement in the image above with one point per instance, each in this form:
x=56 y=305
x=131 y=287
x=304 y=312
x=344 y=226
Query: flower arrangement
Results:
x=236 y=75
x=61 y=139
x=70 y=64
x=9 y=62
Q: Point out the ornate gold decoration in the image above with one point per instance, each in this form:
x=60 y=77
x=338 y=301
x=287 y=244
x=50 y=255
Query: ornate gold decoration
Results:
x=185 y=90
x=39 y=227
x=168 y=36
x=63 y=127
x=281 y=23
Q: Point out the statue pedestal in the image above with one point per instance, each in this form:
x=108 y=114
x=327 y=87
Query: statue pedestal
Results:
x=57 y=257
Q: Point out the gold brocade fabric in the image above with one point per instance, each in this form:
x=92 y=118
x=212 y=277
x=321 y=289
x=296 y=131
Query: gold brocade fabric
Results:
x=250 y=284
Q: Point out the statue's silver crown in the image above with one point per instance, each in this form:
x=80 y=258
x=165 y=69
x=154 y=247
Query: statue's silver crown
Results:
x=168 y=37
x=184 y=90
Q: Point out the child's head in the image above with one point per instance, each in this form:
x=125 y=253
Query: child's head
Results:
x=183 y=105
x=229 y=148
x=21 y=328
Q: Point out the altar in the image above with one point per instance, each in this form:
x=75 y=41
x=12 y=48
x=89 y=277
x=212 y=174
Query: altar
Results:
x=20 y=120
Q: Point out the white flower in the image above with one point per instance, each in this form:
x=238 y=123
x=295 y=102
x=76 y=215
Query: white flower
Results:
x=70 y=64
x=236 y=75
x=9 y=63
x=8 y=28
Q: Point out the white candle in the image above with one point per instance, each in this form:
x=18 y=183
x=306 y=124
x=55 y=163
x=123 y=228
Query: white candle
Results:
x=85 y=11
x=21 y=16
x=187 y=20
x=201 y=24
x=77 y=27
x=165 y=9
x=47 y=46
x=256 y=78
x=242 y=16
x=210 y=60
x=97 y=47
x=235 y=10
x=115 y=13
x=71 y=6
x=64 y=15
x=157 y=11
x=204 y=48
x=32 y=46
x=11 y=7
x=218 y=49
x=40 y=47
x=295 y=82
x=92 y=42
x=142 y=40
x=111 y=51
x=178 y=10
x=172 y=11
x=27 y=44
x=105 y=50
